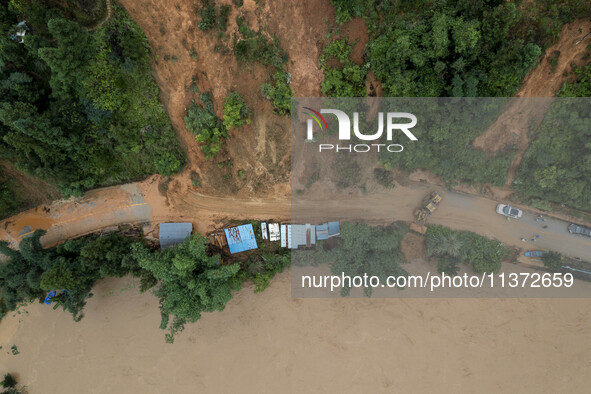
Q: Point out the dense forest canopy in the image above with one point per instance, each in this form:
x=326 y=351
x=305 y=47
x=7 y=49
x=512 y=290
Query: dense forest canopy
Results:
x=460 y=48
x=557 y=165
x=80 y=108
x=471 y=48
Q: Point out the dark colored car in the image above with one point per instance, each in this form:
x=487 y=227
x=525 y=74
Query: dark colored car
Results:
x=576 y=229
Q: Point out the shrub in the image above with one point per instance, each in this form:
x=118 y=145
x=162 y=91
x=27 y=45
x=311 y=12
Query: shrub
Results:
x=222 y=24
x=384 y=177
x=279 y=92
x=347 y=171
x=167 y=164
x=347 y=80
x=552 y=261
x=236 y=111
x=207 y=128
x=451 y=247
x=9 y=381
x=208 y=15
x=260 y=49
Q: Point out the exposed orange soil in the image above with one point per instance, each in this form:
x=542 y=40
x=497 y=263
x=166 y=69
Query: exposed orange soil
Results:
x=260 y=149
x=546 y=79
x=513 y=125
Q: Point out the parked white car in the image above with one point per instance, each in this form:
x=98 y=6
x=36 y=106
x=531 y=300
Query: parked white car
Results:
x=509 y=211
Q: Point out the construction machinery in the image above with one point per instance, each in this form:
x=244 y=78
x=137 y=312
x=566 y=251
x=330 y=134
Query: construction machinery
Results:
x=429 y=206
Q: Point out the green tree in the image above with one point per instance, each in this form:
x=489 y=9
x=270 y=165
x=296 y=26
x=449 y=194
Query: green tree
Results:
x=553 y=261
x=191 y=282
x=363 y=249
x=207 y=128
x=8 y=381
x=346 y=80
x=20 y=275
x=580 y=84
x=80 y=108
x=452 y=247
x=236 y=111
x=279 y=92
x=555 y=166
x=68 y=59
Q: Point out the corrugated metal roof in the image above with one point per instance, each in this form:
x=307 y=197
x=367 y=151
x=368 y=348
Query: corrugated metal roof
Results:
x=322 y=231
x=327 y=230
x=333 y=229
x=264 y=230
x=295 y=235
x=274 y=232
x=241 y=238
x=171 y=234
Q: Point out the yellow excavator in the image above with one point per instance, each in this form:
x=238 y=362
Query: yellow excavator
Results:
x=430 y=205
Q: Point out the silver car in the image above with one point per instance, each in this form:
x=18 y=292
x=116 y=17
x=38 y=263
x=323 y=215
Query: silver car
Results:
x=509 y=211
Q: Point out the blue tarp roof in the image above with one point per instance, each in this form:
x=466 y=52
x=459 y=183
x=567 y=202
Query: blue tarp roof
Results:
x=333 y=229
x=173 y=233
x=322 y=231
x=240 y=238
x=327 y=230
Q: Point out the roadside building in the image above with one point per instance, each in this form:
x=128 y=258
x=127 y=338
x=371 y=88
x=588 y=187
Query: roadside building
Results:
x=264 y=233
x=274 y=234
x=270 y=231
x=295 y=235
x=327 y=230
x=171 y=234
x=240 y=238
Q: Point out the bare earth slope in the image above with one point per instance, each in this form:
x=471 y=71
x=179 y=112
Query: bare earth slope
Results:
x=546 y=79
x=513 y=126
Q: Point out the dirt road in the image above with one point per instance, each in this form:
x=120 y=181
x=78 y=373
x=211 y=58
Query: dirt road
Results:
x=103 y=208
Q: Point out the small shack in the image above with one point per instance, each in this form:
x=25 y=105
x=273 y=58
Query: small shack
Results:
x=274 y=234
x=264 y=233
x=327 y=230
x=295 y=235
x=171 y=234
x=241 y=238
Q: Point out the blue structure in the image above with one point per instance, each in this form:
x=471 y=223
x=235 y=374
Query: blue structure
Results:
x=241 y=238
x=322 y=232
x=52 y=295
x=327 y=230
x=49 y=297
x=171 y=234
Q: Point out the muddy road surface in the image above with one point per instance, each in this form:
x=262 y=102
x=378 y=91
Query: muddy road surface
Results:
x=141 y=204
